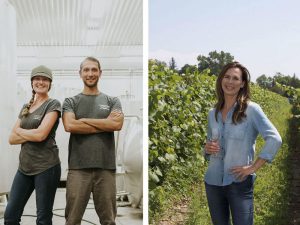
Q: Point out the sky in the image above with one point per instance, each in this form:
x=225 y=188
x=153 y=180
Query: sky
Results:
x=264 y=35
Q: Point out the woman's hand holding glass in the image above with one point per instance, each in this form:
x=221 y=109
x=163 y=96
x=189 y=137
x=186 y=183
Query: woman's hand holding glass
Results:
x=212 y=146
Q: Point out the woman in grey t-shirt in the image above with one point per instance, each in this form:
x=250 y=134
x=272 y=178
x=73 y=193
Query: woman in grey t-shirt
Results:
x=39 y=164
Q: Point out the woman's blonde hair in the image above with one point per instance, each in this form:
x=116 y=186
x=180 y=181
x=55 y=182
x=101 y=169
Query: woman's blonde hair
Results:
x=25 y=111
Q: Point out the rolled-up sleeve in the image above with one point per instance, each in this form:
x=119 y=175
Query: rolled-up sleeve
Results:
x=68 y=105
x=269 y=133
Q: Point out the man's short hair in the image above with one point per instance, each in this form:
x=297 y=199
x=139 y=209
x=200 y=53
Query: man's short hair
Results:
x=90 y=58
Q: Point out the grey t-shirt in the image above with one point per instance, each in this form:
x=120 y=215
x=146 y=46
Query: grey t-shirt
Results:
x=92 y=150
x=36 y=157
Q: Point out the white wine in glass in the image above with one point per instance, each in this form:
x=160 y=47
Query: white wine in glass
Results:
x=215 y=137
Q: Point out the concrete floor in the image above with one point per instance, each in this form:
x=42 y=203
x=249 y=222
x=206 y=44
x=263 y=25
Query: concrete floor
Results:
x=126 y=215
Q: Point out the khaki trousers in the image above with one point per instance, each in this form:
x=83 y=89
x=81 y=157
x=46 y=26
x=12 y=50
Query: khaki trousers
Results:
x=80 y=184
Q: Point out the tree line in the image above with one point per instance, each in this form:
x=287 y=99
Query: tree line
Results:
x=213 y=63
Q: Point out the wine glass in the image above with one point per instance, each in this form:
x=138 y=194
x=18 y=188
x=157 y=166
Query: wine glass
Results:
x=215 y=135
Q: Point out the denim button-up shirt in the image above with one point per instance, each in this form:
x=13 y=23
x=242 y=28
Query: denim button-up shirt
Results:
x=237 y=143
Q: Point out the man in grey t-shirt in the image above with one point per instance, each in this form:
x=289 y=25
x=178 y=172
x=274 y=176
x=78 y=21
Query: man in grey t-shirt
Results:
x=91 y=117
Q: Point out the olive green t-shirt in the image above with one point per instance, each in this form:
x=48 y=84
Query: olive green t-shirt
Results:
x=36 y=157
x=92 y=150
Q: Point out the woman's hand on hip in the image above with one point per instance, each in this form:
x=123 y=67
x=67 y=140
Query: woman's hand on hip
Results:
x=241 y=172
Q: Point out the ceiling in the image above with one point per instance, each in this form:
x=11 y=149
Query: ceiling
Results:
x=62 y=32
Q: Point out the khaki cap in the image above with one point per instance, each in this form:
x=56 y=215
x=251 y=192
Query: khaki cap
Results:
x=41 y=71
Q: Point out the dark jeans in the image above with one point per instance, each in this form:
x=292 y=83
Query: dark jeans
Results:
x=44 y=184
x=235 y=199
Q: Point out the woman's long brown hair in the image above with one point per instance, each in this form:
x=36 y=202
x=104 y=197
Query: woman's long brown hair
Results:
x=243 y=96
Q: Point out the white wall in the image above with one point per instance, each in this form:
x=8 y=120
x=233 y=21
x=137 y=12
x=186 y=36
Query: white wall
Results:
x=122 y=77
x=8 y=154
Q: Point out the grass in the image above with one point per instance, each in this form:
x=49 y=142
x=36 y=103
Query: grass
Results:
x=180 y=186
x=272 y=184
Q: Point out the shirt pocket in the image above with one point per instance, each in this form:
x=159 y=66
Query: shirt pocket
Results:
x=237 y=131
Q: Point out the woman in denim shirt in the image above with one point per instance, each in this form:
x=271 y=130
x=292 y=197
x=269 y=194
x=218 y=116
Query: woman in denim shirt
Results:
x=233 y=126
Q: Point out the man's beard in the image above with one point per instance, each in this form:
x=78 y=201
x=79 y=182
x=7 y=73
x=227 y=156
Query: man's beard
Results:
x=91 y=85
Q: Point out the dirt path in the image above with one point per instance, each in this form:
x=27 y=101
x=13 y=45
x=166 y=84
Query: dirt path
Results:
x=177 y=214
x=295 y=167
